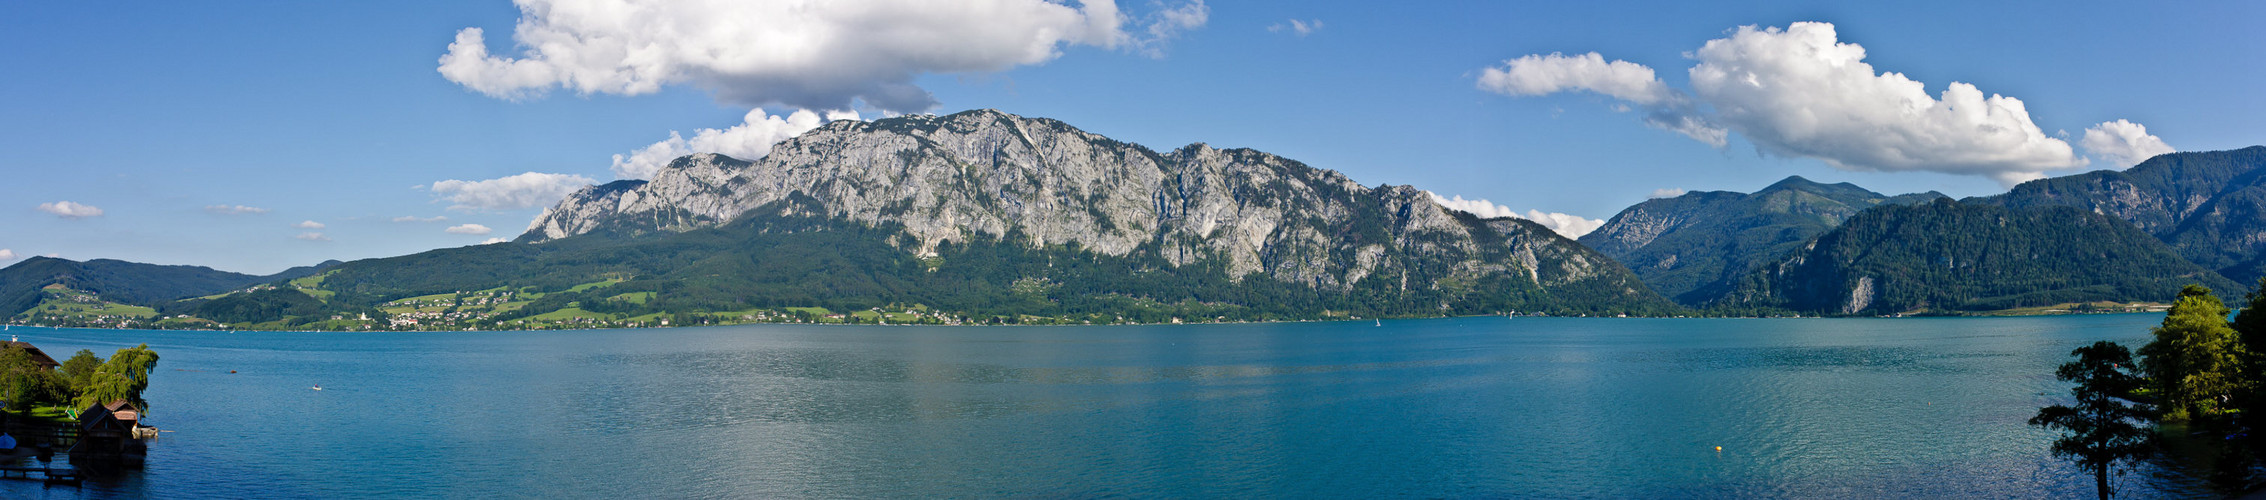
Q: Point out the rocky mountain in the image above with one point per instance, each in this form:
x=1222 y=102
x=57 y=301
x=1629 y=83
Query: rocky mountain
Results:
x=949 y=178
x=1697 y=247
x=979 y=216
x=124 y=282
x=2209 y=206
x=1946 y=256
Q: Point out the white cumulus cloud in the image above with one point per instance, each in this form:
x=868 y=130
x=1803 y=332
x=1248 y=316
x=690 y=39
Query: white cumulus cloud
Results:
x=468 y=229
x=308 y=224
x=1800 y=92
x=1570 y=226
x=69 y=210
x=492 y=241
x=526 y=190
x=750 y=140
x=2123 y=143
x=1482 y=208
x=412 y=218
x=235 y=210
x=312 y=236
x=1534 y=75
x=1666 y=108
x=809 y=55
x=1666 y=193
x=6 y=254
x=1296 y=27
x=1567 y=225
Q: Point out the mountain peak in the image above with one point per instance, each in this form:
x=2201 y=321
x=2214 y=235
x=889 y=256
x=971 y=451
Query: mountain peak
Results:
x=943 y=181
x=1799 y=183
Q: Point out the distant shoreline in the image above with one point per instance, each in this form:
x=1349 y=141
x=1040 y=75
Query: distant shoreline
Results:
x=2135 y=308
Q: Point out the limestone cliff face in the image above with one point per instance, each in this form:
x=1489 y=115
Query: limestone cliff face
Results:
x=947 y=178
x=2205 y=204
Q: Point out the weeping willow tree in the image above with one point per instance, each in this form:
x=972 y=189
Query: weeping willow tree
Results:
x=124 y=376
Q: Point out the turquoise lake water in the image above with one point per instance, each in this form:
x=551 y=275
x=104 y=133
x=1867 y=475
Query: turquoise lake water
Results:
x=1456 y=408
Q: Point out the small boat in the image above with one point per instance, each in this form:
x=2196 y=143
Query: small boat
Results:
x=1380 y=322
x=318 y=387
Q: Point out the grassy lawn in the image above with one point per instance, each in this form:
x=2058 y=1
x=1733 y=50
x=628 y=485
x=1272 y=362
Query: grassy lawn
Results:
x=443 y=297
x=312 y=285
x=46 y=414
x=639 y=298
x=79 y=309
x=567 y=314
x=594 y=284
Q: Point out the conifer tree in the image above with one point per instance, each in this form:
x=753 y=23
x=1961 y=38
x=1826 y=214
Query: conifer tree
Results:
x=2101 y=427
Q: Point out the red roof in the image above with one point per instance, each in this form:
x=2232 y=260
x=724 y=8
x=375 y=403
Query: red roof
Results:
x=37 y=356
x=123 y=410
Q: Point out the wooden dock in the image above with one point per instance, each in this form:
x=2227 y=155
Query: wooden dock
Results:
x=51 y=475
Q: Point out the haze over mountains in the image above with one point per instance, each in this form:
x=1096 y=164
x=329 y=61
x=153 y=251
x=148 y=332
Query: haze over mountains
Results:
x=988 y=217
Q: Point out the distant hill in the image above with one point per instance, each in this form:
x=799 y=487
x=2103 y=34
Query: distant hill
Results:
x=1947 y=256
x=124 y=282
x=1696 y=247
x=2209 y=206
x=980 y=216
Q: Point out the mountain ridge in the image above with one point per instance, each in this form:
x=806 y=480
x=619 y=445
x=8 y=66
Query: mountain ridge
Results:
x=988 y=172
x=1950 y=256
x=126 y=282
x=1696 y=247
x=974 y=217
x=2208 y=205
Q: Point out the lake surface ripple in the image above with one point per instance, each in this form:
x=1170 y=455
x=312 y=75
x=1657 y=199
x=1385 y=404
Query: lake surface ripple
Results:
x=1456 y=408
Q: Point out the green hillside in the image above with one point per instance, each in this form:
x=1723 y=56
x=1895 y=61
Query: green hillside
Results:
x=2209 y=206
x=1949 y=256
x=792 y=268
x=1697 y=247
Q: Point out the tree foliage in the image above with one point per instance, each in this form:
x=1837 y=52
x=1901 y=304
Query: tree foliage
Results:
x=124 y=376
x=2101 y=428
x=766 y=260
x=1717 y=238
x=1953 y=256
x=2192 y=363
x=23 y=383
x=79 y=368
x=124 y=282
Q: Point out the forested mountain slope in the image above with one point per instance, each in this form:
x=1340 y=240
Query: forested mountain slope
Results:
x=1696 y=247
x=1950 y=256
x=2209 y=206
x=983 y=216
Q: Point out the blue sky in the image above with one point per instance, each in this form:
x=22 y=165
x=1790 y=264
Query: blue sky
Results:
x=335 y=113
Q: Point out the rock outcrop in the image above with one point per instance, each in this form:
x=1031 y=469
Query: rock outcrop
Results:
x=2211 y=206
x=949 y=178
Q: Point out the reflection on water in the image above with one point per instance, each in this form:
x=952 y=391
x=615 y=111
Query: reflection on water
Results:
x=1480 y=407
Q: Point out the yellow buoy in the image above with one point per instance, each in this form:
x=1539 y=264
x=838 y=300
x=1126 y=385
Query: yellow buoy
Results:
x=1718 y=448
